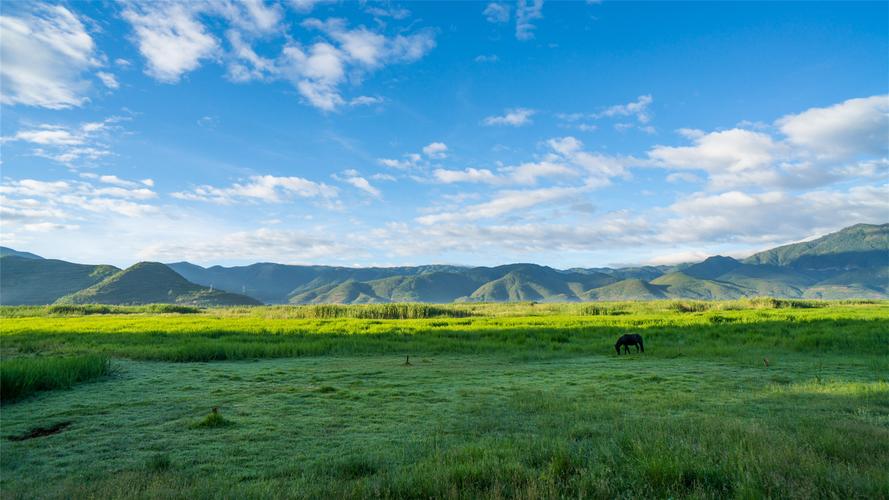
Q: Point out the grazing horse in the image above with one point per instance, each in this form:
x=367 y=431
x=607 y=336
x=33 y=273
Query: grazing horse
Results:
x=627 y=340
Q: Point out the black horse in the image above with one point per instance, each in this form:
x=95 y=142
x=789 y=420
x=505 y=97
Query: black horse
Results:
x=627 y=340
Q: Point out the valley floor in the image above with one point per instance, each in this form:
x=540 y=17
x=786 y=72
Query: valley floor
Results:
x=461 y=426
x=525 y=406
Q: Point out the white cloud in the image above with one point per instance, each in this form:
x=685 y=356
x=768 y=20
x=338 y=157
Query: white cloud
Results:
x=393 y=12
x=637 y=108
x=529 y=173
x=364 y=100
x=171 y=38
x=117 y=181
x=319 y=70
x=750 y=217
x=819 y=145
x=305 y=6
x=683 y=177
x=35 y=205
x=353 y=178
x=504 y=202
x=486 y=58
x=70 y=145
x=247 y=64
x=848 y=129
x=252 y=16
x=261 y=188
x=526 y=13
x=515 y=117
x=732 y=157
x=677 y=258
x=45 y=53
x=496 y=13
x=467 y=175
x=108 y=80
x=436 y=150
x=285 y=246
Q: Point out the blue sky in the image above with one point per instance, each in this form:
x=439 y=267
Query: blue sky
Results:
x=374 y=133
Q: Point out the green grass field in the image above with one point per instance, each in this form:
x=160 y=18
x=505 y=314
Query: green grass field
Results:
x=520 y=400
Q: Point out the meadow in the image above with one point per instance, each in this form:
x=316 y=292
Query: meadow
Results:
x=740 y=399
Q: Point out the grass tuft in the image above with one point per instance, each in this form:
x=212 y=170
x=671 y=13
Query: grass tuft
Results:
x=158 y=463
x=214 y=419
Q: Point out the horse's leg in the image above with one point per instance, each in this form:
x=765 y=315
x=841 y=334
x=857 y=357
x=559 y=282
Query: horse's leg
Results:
x=641 y=347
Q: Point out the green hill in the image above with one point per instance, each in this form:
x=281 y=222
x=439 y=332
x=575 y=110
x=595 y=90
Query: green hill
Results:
x=681 y=285
x=8 y=252
x=152 y=283
x=349 y=292
x=35 y=281
x=629 y=289
x=435 y=287
x=855 y=247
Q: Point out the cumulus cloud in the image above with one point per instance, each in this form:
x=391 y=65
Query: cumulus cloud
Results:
x=436 y=150
x=170 y=37
x=848 y=129
x=261 y=188
x=515 y=117
x=731 y=157
x=319 y=70
x=45 y=53
x=820 y=146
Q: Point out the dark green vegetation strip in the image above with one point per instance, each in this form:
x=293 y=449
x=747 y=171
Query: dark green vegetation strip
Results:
x=22 y=376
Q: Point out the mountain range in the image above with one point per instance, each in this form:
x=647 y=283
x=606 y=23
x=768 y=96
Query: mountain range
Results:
x=851 y=263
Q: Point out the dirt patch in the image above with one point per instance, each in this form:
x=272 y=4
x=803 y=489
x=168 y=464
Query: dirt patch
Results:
x=37 y=432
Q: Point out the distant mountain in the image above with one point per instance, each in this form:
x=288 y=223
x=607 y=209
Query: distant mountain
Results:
x=628 y=289
x=34 y=280
x=8 y=252
x=275 y=283
x=152 y=283
x=855 y=247
x=851 y=263
x=682 y=285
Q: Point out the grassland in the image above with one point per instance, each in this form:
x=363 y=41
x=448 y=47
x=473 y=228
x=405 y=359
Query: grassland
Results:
x=740 y=399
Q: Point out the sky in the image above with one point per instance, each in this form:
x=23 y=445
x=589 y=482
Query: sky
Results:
x=568 y=134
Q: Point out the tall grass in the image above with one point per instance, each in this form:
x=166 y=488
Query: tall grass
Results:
x=90 y=309
x=20 y=377
x=378 y=311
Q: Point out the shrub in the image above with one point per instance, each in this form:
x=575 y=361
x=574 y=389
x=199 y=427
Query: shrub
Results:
x=212 y=420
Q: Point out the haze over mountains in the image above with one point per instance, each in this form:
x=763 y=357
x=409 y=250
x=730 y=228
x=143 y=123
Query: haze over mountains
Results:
x=851 y=263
